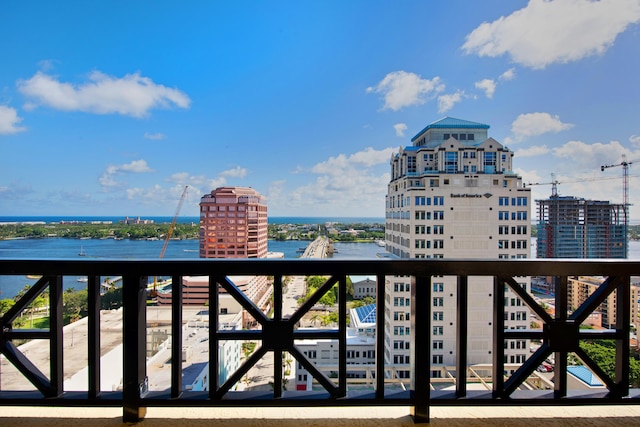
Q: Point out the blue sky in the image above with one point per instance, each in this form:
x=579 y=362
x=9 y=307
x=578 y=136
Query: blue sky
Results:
x=111 y=108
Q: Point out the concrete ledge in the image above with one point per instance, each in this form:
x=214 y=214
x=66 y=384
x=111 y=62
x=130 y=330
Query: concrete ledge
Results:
x=320 y=417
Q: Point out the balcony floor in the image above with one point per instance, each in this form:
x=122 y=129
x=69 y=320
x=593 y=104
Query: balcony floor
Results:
x=335 y=417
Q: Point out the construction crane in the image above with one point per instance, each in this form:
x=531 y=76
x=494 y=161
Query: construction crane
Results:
x=173 y=223
x=154 y=292
x=554 y=185
x=625 y=182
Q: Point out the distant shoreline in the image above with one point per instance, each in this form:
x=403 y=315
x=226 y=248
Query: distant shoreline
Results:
x=7 y=219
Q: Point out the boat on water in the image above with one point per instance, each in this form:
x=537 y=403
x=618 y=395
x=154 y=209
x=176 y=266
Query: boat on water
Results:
x=381 y=243
x=83 y=279
x=82 y=252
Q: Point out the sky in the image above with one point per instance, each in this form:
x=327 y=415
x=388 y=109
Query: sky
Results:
x=112 y=108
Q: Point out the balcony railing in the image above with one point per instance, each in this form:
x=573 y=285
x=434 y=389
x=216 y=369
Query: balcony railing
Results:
x=560 y=335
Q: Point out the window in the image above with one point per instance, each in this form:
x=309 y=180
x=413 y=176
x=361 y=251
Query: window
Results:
x=438 y=215
x=438 y=244
x=520 y=215
x=438 y=200
x=437 y=359
x=398 y=302
x=438 y=301
x=450 y=162
x=438 y=330
x=411 y=164
x=438 y=315
x=438 y=229
x=489 y=162
x=503 y=215
x=420 y=201
x=438 y=287
x=438 y=344
x=503 y=201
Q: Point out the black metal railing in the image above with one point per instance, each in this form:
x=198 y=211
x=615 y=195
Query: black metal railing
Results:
x=560 y=336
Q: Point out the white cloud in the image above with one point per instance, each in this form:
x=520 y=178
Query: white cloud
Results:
x=9 y=121
x=107 y=179
x=136 y=166
x=536 y=150
x=488 y=86
x=532 y=124
x=447 y=101
x=591 y=156
x=236 y=172
x=400 y=128
x=402 y=89
x=510 y=74
x=155 y=136
x=345 y=184
x=196 y=182
x=131 y=95
x=339 y=164
x=635 y=140
x=544 y=32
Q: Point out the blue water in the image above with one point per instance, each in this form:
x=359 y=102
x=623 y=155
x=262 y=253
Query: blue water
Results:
x=192 y=219
x=136 y=249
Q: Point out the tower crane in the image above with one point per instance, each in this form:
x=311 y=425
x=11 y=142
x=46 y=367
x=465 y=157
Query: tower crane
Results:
x=625 y=182
x=554 y=185
x=154 y=292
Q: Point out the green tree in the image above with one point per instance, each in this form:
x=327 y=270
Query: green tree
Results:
x=603 y=354
x=75 y=305
x=5 y=305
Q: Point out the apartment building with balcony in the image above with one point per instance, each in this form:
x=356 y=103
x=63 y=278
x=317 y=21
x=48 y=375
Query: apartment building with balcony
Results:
x=580 y=288
x=453 y=195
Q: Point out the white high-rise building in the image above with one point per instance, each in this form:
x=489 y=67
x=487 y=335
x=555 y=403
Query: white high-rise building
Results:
x=453 y=194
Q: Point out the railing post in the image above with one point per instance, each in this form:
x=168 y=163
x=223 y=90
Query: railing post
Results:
x=134 y=342
x=560 y=357
x=461 y=336
x=56 y=342
x=342 y=328
x=176 y=336
x=93 y=296
x=498 y=338
x=420 y=348
x=214 y=325
x=380 y=332
x=623 y=319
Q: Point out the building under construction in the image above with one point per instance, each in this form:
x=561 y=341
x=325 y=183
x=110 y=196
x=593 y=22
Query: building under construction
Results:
x=569 y=227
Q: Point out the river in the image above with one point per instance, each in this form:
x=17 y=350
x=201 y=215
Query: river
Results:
x=137 y=249
x=150 y=249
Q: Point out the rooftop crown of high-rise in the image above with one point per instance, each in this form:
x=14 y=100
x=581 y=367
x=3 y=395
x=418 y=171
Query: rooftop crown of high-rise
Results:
x=467 y=132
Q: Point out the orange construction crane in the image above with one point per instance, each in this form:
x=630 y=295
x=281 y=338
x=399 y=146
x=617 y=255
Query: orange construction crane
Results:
x=173 y=223
x=154 y=292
